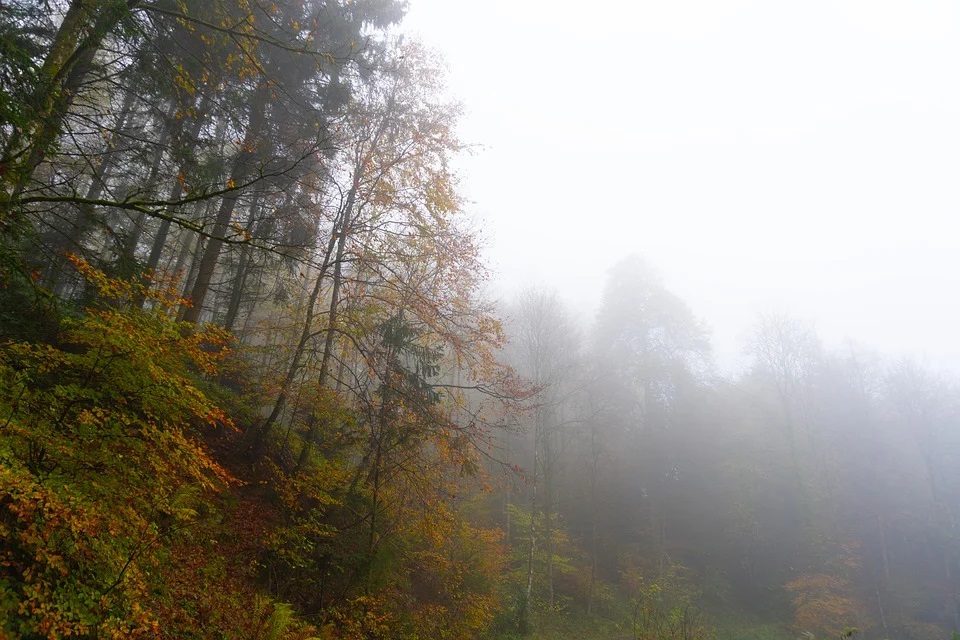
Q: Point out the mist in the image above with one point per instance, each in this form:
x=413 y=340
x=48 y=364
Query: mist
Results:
x=764 y=158
x=758 y=197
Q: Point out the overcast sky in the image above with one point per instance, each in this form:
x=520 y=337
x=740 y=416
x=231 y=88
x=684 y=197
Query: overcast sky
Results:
x=764 y=156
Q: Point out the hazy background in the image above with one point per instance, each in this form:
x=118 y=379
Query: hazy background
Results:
x=764 y=156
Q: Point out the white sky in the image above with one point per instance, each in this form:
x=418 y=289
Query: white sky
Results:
x=766 y=155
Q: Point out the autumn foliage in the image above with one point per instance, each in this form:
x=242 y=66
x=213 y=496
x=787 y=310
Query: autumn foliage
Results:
x=119 y=519
x=103 y=463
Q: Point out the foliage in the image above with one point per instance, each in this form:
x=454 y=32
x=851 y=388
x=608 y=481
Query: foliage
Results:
x=101 y=462
x=655 y=619
x=65 y=563
x=27 y=311
x=823 y=605
x=24 y=28
x=225 y=159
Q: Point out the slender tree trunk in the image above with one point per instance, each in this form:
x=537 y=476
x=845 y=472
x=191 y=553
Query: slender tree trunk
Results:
x=74 y=234
x=106 y=165
x=240 y=278
x=531 y=549
x=160 y=239
x=595 y=459
x=176 y=189
x=133 y=237
x=239 y=285
x=191 y=245
x=548 y=498
x=663 y=539
x=256 y=436
x=101 y=175
x=331 y=323
x=884 y=550
x=338 y=239
x=79 y=37
x=375 y=497
x=198 y=247
x=238 y=175
x=883 y=616
x=508 y=521
x=169 y=132
x=245 y=330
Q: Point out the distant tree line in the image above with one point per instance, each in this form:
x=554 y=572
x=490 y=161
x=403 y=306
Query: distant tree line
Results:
x=815 y=488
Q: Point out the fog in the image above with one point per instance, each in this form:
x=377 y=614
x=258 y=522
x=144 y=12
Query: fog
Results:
x=764 y=156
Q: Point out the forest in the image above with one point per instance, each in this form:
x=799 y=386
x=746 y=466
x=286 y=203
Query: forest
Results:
x=254 y=384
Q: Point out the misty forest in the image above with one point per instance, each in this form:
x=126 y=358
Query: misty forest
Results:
x=258 y=379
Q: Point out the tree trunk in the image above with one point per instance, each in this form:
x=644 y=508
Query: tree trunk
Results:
x=240 y=278
x=79 y=38
x=338 y=238
x=238 y=174
x=73 y=233
x=256 y=436
x=198 y=247
x=594 y=466
x=239 y=285
x=107 y=163
x=375 y=497
x=548 y=499
x=331 y=319
x=176 y=189
x=169 y=132
x=532 y=549
x=56 y=67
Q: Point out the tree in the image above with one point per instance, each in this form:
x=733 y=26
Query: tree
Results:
x=544 y=350
x=58 y=81
x=649 y=351
x=647 y=339
x=787 y=351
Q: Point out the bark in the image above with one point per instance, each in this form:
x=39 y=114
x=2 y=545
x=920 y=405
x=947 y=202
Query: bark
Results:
x=548 y=513
x=168 y=133
x=594 y=470
x=176 y=189
x=108 y=162
x=508 y=528
x=239 y=285
x=194 y=252
x=78 y=17
x=375 y=497
x=532 y=549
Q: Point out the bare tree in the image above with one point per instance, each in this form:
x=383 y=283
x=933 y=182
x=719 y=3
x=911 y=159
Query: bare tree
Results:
x=545 y=347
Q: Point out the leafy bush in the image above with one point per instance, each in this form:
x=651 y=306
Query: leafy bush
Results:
x=101 y=462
